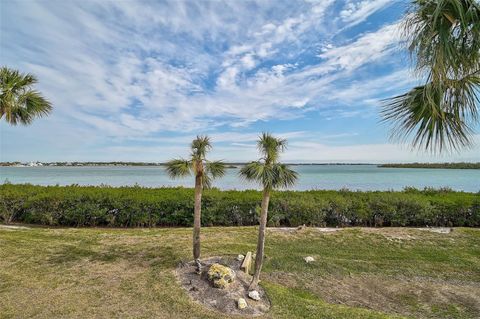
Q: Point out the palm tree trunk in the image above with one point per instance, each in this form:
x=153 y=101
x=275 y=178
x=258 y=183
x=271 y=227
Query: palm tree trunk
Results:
x=261 y=239
x=197 y=220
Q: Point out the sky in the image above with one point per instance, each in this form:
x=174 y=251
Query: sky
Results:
x=138 y=80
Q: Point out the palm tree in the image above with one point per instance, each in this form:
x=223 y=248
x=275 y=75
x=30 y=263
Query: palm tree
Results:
x=19 y=103
x=204 y=172
x=443 y=38
x=271 y=174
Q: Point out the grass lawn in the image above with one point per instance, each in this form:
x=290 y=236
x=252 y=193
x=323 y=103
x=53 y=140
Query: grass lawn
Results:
x=129 y=273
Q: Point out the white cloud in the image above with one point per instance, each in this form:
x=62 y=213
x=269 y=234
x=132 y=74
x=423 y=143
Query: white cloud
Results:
x=124 y=87
x=128 y=71
x=356 y=11
x=369 y=47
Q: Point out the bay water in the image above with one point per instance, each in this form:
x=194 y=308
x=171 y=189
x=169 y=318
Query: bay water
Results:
x=334 y=177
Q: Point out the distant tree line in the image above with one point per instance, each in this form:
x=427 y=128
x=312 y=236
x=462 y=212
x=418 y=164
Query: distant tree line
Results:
x=461 y=165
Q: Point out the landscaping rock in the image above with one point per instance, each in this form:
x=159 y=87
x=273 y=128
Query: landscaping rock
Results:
x=254 y=295
x=240 y=257
x=247 y=262
x=221 y=276
x=242 y=303
x=309 y=259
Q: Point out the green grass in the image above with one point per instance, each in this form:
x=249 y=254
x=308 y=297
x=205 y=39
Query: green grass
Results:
x=358 y=273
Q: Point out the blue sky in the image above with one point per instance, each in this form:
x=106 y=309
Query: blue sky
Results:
x=137 y=80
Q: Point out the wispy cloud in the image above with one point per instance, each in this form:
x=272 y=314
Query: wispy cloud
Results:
x=126 y=72
x=357 y=11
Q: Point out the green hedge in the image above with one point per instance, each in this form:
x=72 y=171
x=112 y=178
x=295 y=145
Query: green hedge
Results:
x=146 y=207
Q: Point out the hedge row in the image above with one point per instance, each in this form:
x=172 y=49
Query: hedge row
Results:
x=146 y=207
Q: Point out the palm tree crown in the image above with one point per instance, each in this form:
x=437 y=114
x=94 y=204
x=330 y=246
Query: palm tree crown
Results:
x=267 y=171
x=19 y=103
x=197 y=164
x=443 y=37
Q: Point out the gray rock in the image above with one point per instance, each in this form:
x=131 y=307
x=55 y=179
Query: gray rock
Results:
x=254 y=295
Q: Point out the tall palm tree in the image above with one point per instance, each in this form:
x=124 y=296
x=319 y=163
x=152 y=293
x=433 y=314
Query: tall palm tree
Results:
x=204 y=171
x=443 y=37
x=271 y=174
x=19 y=103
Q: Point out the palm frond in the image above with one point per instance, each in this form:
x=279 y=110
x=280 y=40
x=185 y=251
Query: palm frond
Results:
x=215 y=169
x=200 y=147
x=271 y=147
x=284 y=176
x=32 y=105
x=18 y=102
x=267 y=171
x=270 y=176
x=252 y=171
x=436 y=117
x=15 y=80
x=206 y=181
x=443 y=36
x=444 y=42
x=177 y=168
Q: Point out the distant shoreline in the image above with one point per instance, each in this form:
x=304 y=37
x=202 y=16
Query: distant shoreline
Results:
x=434 y=165
x=460 y=165
x=69 y=164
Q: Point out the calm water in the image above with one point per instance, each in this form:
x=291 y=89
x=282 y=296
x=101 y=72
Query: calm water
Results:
x=361 y=177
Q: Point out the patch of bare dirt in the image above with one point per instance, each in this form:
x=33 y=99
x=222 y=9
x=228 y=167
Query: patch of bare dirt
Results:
x=283 y=229
x=225 y=300
x=438 y=230
x=294 y=230
x=403 y=296
x=391 y=233
x=327 y=229
x=13 y=227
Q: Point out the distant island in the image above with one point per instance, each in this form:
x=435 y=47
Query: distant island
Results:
x=232 y=165
x=229 y=164
x=434 y=165
x=37 y=164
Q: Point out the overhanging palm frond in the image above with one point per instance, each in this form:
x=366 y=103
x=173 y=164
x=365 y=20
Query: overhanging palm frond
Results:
x=436 y=117
x=18 y=102
x=443 y=36
x=16 y=80
x=33 y=105
x=444 y=42
x=215 y=169
x=179 y=168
